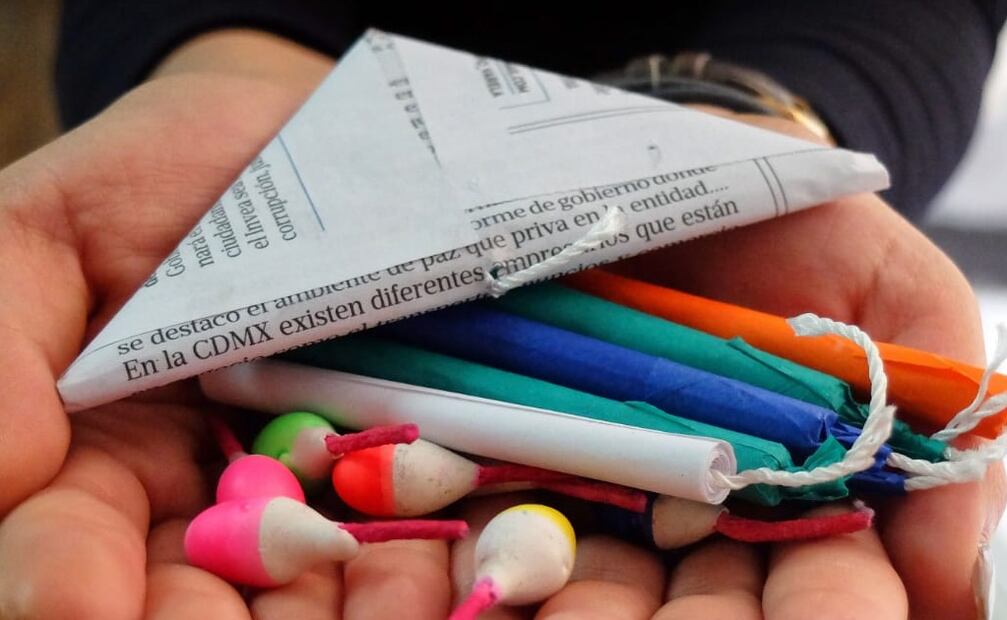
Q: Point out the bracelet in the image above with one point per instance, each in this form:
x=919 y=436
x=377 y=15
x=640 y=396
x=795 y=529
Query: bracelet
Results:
x=696 y=77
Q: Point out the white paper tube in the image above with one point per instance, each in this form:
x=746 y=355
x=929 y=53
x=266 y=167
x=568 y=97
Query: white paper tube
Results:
x=665 y=463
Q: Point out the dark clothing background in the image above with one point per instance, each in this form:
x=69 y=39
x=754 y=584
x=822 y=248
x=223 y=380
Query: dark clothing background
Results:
x=899 y=78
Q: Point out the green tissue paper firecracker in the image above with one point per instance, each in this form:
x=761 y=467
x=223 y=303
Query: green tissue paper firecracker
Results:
x=375 y=357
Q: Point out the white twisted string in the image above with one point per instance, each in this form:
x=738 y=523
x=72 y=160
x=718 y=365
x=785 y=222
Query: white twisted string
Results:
x=876 y=430
x=963 y=465
x=604 y=229
x=970 y=417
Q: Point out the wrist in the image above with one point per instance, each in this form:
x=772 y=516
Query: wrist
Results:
x=699 y=80
x=250 y=54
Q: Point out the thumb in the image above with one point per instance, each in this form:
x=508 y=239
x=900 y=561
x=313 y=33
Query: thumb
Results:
x=43 y=310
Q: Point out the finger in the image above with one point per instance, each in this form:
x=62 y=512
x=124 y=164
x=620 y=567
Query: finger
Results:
x=43 y=308
x=34 y=430
x=611 y=579
x=389 y=577
x=477 y=512
x=176 y=590
x=871 y=263
x=720 y=580
x=180 y=592
x=917 y=296
x=72 y=243
x=161 y=444
x=933 y=538
x=165 y=543
x=121 y=175
x=846 y=576
x=76 y=550
x=315 y=595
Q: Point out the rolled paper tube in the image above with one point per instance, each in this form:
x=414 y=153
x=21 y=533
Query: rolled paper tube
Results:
x=561 y=449
x=847 y=434
x=903 y=438
x=928 y=387
x=640 y=458
x=509 y=342
x=878 y=481
x=373 y=356
x=585 y=314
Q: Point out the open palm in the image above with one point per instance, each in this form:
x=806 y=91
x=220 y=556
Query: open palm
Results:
x=96 y=504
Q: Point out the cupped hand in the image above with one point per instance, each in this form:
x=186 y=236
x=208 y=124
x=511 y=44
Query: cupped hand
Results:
x=93 y=525
x=858 y=261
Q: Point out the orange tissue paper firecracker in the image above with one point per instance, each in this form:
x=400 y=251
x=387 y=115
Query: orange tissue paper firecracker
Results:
x=926 y=387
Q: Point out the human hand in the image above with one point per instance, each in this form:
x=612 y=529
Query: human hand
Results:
x=856 y=260
x=86 y=219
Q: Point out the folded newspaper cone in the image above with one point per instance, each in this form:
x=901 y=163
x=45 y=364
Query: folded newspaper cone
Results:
x=415 y=173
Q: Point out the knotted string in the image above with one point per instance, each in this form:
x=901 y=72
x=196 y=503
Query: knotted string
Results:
x=877 y=426
x=963 y=465
x=603 y=230
x=970 y=417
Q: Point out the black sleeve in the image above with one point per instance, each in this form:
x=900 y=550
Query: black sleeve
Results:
x=901 y=79
x=108 y=46
x=898 y=78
